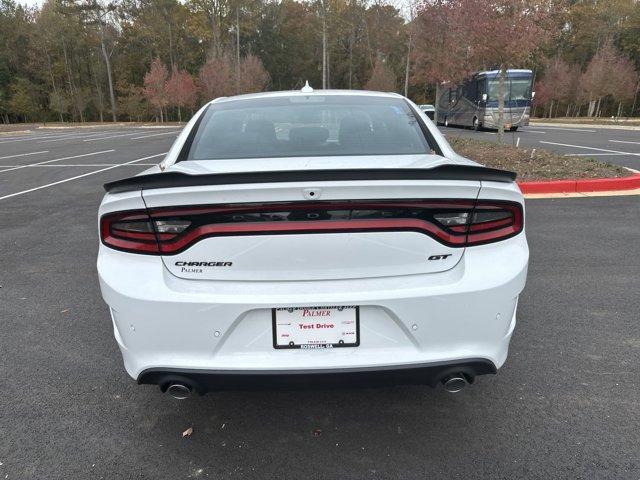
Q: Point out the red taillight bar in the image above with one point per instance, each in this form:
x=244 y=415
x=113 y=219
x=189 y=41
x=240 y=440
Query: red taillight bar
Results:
x=126 y=240
x=494 y=231
x=135 y=231
x=383 y=225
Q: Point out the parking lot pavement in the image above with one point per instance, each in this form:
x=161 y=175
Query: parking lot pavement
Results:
x=565 y=405
x=618 y=146
x=46 y=159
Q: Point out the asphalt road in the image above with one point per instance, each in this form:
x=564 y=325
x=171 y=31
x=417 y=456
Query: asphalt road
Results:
x=565 y=405
x=618 y=146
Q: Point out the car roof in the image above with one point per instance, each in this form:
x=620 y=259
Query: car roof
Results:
x=295 y=93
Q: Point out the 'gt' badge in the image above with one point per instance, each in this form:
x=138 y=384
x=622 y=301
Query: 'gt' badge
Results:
x=439 y=257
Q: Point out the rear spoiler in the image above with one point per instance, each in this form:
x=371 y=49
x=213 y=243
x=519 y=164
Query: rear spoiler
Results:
x=179 y=179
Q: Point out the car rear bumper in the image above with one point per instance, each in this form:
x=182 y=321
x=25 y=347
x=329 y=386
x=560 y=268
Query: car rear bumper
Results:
x=166 y=324
x=202 y=381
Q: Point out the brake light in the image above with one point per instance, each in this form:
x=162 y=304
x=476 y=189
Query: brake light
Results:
x=130 y=231
x=494 y=221
x=167 y=231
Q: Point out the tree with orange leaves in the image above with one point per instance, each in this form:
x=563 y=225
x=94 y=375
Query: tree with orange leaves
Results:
x=181 y=91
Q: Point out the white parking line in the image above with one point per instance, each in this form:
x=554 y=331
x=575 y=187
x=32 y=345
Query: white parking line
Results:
x=591 y=148
x=38 y=136
x=76 y=137
x=24 y=139
x=76 y=165
x=156 y=135
x=80 y=176
x=111 y=136
x=570 y=129
x=14 y=137
x=24 y=154
x=56 y=160
x=624 y=141
x=593 y=154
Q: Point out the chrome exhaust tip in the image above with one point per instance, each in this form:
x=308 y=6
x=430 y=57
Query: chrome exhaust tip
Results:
x=454 y=383
x=179 y=391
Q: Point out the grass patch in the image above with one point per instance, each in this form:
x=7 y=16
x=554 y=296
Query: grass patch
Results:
x=538 y=165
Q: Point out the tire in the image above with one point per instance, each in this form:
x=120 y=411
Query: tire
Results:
x=476 y=124
x=446 y=122
x=513 y=129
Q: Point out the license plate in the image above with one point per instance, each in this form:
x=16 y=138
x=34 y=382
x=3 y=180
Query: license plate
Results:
x=316 y=327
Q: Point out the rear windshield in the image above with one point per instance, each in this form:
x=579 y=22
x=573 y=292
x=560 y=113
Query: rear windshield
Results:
x=307 y=126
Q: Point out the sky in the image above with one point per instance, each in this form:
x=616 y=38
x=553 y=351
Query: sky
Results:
x=30 y=3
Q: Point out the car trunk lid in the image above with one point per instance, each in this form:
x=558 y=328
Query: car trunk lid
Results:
x=310 y=230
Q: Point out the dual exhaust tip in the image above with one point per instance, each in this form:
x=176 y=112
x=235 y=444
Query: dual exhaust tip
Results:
x=179 y=391
x=452 y=384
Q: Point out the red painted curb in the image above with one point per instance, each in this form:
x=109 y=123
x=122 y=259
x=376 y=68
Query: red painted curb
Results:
x=584 y=185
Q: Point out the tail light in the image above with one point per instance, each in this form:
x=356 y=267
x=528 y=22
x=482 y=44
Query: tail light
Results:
x=130 y=231
x=494 y=221
x=455 y=223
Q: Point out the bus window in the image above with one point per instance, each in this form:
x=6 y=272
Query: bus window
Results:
x=514 y=89
x=482 y=88
x=492 y=89
x=520 y=89
x=471 y=92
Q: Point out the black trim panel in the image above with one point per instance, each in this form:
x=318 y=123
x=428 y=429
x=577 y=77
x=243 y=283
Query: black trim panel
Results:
x=184 y=151
x=203 y=381
x=426 y=131
x=178 y=179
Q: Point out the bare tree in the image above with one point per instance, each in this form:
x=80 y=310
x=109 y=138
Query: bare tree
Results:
x=325 y=73
x=382 y=78
x=517 y=29
x=215 y=78
x=609 y=73
x=253 y=76
x=93 y=13
x=410 y=26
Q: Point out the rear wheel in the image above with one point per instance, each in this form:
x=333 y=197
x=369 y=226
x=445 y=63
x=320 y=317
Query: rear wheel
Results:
x=476 y=124
x=513 y=129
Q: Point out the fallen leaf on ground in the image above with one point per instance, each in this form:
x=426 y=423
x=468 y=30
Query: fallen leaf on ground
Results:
x=317 y=432
x=187 y=432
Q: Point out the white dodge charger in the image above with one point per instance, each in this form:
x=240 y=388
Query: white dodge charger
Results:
x=309 y=239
